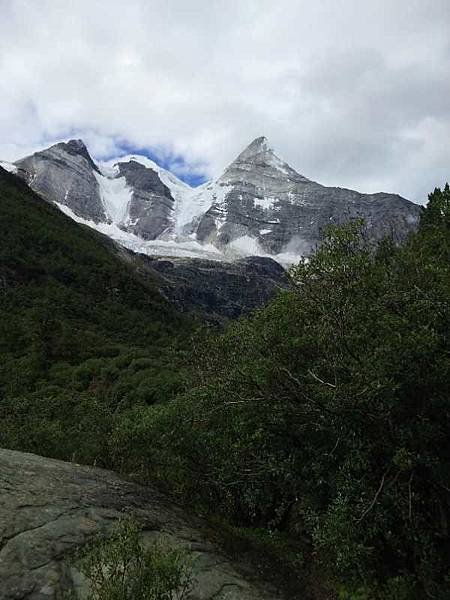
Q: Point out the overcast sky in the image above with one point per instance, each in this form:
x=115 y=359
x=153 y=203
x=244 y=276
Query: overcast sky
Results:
x=354 y=93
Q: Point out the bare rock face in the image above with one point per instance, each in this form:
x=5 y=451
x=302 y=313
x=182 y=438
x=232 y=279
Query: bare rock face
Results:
x=49 y=508
x=129 y=195
x=65 y=173
x=217 y=290
x=261 y=197
x=151 y=206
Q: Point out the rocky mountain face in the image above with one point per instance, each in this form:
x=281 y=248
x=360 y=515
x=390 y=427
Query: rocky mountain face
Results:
x=215 y=290
x=258 y=206
x=209 y=289
x=261 y=201
x=127 y=194
x=65 y=174
x=50 y=509
x=151 y=203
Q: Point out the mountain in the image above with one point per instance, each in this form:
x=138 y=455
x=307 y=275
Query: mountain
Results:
x=259 y=206
x=65 y=292
x=66 y=174
x=262 y=205
x=215 y=290
x=52 y=261
x=128 y=194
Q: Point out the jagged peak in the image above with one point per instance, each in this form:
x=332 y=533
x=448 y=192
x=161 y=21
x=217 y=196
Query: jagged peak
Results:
x=259 y=145
x=76 y=144
x=260 y=154
x=76 y=147
x=260 y=142
x=72 y=146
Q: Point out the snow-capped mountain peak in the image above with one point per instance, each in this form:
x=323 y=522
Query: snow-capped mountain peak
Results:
x=259 y=146
x=259 y=205
x=258 y=153
x=167 y=177
x=10 y=167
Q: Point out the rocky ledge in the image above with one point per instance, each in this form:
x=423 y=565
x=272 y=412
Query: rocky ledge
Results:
x=49 y=508
x=215 y=291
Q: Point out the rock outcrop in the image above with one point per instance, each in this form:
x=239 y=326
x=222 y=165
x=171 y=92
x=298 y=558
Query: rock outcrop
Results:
x=217 y=290
x=151 y=206
x=65 y=174
x=49 y=508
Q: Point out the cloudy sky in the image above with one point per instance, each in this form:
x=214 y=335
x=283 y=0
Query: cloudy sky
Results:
x=351 y=93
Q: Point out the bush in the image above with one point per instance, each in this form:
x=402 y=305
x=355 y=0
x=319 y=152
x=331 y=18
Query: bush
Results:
x=119 y=567
x=334 y=399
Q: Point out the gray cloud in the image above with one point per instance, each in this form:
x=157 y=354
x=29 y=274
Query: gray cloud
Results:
x=351 y=93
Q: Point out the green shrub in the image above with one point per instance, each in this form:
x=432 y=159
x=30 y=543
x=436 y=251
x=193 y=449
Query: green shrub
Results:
x=119 y=567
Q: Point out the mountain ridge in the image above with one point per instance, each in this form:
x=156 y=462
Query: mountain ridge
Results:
x=258 y=206
x=44 y=248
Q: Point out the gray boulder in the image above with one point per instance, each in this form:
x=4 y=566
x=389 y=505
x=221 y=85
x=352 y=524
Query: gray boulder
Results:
x=49 y=508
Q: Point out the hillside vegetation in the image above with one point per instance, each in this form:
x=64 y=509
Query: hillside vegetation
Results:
x=326 y=416
x=321 y=421
x=81 y=336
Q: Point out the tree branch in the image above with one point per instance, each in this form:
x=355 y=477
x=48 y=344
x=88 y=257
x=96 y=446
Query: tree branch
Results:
x=375 y=498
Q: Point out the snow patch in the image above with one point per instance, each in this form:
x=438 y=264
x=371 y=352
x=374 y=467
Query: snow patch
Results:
x=198 y=201
x=248 y=246
x=115 y=195
x=266 y=202
x=8 y=167
x=188 y=248
x=287 y=259
x=245 y=246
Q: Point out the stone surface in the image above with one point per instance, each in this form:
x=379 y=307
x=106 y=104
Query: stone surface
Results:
x=217 y=290
x=261 y=197
x=65 y=173
x=49 y=508
x=150 y=212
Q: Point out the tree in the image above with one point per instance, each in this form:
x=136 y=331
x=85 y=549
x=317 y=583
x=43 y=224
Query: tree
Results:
x=437 y=211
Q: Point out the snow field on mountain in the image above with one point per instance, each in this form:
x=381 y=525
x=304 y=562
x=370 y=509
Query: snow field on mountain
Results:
x=8 y=167
x=115 y=195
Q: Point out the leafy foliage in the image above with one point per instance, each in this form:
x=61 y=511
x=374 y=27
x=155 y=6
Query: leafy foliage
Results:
x=119 y=567
x=438 y=209
x=82 y=337
x=327 y=414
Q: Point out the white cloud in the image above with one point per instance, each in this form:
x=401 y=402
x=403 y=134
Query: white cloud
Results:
x=351 y=93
